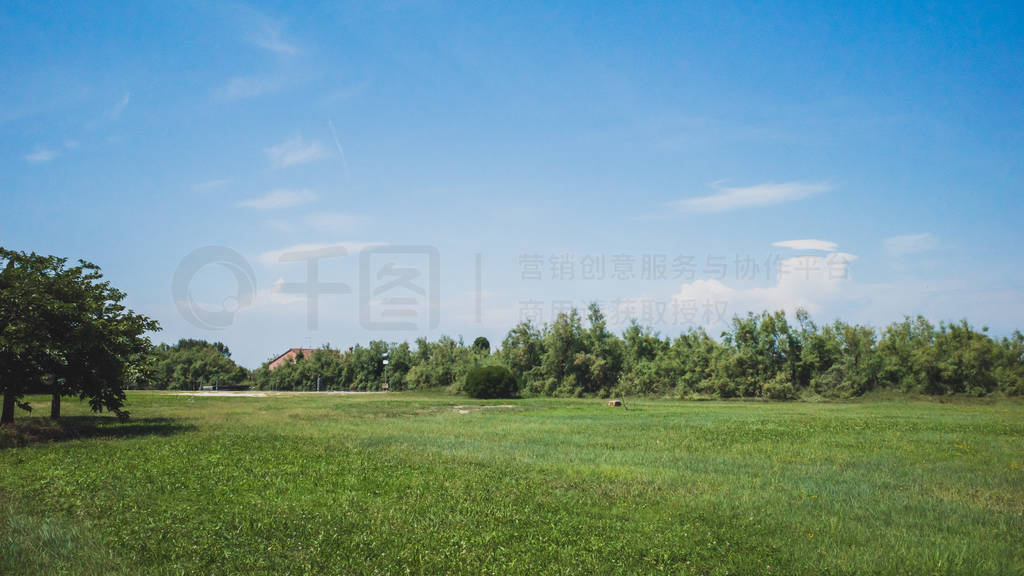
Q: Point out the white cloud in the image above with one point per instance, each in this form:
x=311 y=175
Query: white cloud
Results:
x=809 y=282
x=242 y=87
x=822 y=245
x=295 y=151
x=275 y=297
x=737 y=198
x=275 y=257
x=280 y=199
x=41 y=155
x=900 y=246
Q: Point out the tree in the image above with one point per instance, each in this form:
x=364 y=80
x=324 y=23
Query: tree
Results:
x=481 y=345
x=66 y=330
x=522 y=351
x=562 y=342
x=758 y=346
x=24 y=329
x=106 y=348
x=190 y=363
x=601 y=363
x=437 y=364
x=693 y=353
x=1010 y=372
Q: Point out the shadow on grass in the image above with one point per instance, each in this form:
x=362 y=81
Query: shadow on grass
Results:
x=35 y=430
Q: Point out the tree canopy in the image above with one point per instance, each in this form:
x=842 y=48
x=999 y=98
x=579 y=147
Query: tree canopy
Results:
x=190 y=364
x=766 y=355
x=66 y=331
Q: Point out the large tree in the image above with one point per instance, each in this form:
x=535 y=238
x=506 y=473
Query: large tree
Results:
x=24 y=357
x=65 y=330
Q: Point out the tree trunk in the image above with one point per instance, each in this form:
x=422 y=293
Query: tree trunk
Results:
x=8 y=414
x=55 y=406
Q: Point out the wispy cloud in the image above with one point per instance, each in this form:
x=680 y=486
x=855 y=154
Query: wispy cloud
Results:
x=269 y=37
x=118 y=108
x=295 y=151
x=211 y=185
x=274 y=257
x=906 y=245
x=264 y=31
x=280 y=199
x=345 y=93
x=337 y=144
x=822 y=245
x=242 y=87
x=737 y=198
x=41 y=155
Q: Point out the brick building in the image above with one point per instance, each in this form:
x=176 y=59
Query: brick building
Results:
x=289 y=356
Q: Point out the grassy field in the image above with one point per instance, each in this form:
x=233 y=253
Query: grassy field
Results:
x=406 y=483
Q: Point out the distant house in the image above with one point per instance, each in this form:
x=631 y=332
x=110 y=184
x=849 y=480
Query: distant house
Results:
x=289 y=357
x=292 y=353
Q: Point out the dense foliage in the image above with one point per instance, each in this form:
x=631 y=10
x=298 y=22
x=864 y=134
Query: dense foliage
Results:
x=490 y=382
x=759 y=356
x=763 y=355
x=443 y=363
x=191 y=364
x=65 y=331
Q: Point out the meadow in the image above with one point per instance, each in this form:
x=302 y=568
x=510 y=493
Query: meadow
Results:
x=433 y=483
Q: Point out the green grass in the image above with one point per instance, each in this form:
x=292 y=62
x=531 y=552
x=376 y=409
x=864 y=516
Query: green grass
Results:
x=404 y=483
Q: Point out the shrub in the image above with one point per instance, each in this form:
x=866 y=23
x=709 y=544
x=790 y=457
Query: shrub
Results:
x=723 y=387
x=490 y=382
x=779 y=388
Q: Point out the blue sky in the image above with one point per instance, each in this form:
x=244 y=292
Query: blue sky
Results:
x=862 y=161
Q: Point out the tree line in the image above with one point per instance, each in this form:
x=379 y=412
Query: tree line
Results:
x=759 y=356
x=65 y=331
x=438 y=364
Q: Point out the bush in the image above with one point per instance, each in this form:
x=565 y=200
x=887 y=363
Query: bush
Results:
x=779 y=388
x=490 y=382
x=723 y=387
